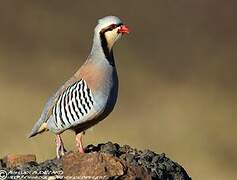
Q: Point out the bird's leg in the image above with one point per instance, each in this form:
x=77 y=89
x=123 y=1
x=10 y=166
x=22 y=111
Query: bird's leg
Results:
x=79 y=143
x=58 y=145
x=63 y=150
x=60 y=150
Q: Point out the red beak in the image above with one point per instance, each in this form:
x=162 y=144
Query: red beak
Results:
x=124 y=29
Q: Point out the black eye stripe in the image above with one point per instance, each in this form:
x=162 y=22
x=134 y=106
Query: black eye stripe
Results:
x=111 y=27
x=115 y=25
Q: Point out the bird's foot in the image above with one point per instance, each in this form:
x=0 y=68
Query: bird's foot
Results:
x=81 y=150
x=63 y=150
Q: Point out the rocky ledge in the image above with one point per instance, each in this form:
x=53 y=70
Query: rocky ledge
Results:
x=103 y=161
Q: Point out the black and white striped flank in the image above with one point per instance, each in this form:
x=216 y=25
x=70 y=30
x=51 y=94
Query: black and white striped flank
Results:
x=73 y=104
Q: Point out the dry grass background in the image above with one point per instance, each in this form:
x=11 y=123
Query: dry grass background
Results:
x=177 y=74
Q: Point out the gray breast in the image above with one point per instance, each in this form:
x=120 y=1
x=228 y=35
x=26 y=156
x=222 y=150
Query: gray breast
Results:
x=110 y=95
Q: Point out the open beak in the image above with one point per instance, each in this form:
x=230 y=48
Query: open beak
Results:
x=123 y=29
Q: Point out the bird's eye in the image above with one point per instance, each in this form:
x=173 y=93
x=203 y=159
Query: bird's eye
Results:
x=113 y=26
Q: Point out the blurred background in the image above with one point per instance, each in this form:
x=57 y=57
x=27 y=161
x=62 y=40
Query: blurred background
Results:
x=177 y=73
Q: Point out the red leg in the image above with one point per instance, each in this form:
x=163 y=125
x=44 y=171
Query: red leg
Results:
x=60 y=150
x=58 y=145
x=79 y=143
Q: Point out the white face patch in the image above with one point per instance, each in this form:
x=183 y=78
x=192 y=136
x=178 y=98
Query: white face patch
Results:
x=112 y=37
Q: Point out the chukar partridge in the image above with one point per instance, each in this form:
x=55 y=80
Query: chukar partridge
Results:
x=90 y=94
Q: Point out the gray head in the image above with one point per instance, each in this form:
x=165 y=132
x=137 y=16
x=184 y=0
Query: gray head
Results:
x=108 y=30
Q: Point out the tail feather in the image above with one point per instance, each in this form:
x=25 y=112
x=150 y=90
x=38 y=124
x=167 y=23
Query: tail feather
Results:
x=37 y=129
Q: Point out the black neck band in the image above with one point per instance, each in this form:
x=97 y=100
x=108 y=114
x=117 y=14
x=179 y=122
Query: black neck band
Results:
x=108 y=53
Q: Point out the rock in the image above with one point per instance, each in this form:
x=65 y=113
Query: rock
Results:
x=50 y=169
x=14 y=160
x=104 y=161
x=100 y=165
x=109 y=148
x=136 y=172
x=93 y=164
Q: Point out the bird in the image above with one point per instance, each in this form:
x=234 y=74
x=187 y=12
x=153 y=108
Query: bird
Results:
x=90 y=95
